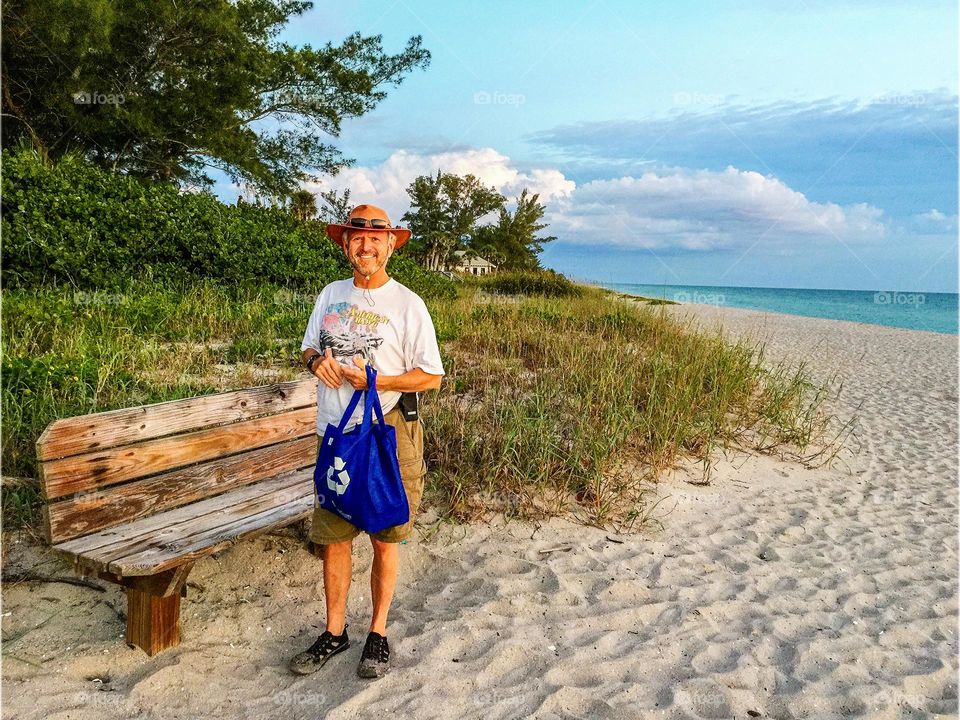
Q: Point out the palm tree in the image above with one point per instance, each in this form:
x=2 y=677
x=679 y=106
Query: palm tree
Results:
x=303 y=204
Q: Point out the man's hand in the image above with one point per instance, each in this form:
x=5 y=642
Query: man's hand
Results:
x=354 y=376
x=329 y=370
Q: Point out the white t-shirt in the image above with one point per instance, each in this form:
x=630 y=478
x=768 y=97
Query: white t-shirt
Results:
x=389 y=326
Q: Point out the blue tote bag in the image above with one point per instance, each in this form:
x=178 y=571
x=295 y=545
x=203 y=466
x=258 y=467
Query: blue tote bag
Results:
x=358 y=474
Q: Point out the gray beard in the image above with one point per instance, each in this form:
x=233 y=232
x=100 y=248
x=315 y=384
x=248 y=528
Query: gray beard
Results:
x=355 y=264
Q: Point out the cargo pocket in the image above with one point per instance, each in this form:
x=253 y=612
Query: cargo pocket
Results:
x=409 y=441
x=409 y=444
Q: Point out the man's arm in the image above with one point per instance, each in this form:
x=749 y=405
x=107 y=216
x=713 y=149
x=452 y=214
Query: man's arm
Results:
x=415 y=380
x=326 y=368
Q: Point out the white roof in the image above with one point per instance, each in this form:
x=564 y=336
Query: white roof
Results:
x=475 y=260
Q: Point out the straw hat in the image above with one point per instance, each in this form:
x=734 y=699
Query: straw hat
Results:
x=361 y=218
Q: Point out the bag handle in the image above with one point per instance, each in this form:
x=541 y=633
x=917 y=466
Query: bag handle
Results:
x=351 y=406
x=371 y=402
x=372 y=398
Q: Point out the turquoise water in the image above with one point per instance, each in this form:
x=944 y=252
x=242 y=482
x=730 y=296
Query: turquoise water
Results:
x=916 y=311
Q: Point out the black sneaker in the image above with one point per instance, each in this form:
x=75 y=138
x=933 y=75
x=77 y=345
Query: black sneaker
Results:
x=326 y=646
x=375 y=660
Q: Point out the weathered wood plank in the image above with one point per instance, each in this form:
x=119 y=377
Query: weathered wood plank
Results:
x=89 y=512
x=96 y=470
x=171 y=537
x=131 y=537
x=100 y=431
x=194 y=547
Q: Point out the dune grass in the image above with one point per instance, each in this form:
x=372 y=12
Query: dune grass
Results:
x=551 y=405
x=577 y=405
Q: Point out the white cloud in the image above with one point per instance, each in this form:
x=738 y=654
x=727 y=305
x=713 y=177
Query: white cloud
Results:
x=934 y=221
x=386 y=184
x=703 y=209
x=671 y=208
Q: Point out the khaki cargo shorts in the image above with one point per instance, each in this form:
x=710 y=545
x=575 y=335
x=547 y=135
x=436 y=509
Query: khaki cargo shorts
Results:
x=328 y=528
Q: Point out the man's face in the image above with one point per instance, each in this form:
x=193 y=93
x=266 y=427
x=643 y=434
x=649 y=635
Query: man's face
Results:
x=368 y=250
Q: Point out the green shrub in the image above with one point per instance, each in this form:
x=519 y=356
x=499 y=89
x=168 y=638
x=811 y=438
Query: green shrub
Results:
x=544 y=282
x=70 y=223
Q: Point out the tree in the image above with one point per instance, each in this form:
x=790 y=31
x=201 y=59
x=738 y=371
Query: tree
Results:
x=512 y=241
x=303 y=205
x=336 y=207
x=163 y=89
x=444 y=212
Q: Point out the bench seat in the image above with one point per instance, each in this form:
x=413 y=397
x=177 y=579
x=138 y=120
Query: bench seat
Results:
x=159 y=542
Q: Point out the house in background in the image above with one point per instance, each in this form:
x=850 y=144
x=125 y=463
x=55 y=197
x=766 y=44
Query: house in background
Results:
x=472 y=265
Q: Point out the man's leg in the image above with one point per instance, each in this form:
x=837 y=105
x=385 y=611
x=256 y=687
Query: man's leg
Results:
x=383 y=580
x=337 y=568
x=337 y=562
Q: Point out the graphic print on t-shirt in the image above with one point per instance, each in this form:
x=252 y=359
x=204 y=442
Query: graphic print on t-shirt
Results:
x=349 y=330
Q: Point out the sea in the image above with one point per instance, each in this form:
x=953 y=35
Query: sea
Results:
x=936 y=312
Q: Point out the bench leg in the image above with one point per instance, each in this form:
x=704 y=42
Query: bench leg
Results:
x=153 y=609
x=153 y=622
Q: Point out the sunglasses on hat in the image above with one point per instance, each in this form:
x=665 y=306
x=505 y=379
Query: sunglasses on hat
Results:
x=375 y=223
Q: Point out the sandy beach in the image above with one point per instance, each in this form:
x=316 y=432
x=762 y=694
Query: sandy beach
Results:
x=776 y=591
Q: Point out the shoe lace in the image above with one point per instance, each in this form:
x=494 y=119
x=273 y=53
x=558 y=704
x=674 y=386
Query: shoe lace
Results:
x=326 y=642
x=376 y=648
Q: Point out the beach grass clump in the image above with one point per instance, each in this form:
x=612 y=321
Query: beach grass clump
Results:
x=577 y=405
x=541 y=282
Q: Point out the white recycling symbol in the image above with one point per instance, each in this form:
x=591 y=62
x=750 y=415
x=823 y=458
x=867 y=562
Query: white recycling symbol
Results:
x=337 y=476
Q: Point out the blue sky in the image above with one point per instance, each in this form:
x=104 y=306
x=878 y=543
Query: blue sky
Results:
x=771 y=144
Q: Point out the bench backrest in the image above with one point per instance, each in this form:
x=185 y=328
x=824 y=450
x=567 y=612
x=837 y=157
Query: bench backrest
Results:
x=107 y=468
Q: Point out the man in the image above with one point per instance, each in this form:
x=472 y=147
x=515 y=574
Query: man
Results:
x=367 y=318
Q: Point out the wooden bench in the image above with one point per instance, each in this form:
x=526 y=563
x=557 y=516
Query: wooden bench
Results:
x=136 y=496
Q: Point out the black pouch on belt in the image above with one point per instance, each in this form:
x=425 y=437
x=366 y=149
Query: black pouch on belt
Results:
x=409 y=403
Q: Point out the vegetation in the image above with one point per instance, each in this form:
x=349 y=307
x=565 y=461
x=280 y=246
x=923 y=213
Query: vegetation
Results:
x=444 y=211
x=162 y=90
x=69 y=223
x=545 y=400
x=559 y=398
x=578 y=404
x=303 y=205
x=444 y=215
x=543 y=282
x=512 y=242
